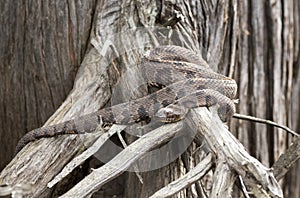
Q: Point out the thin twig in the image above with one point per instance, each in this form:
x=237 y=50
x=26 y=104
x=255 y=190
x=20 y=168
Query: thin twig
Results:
x=259 y=120
x=122 y=161
x=186 y=180
x=136 y=170
x=244 y=189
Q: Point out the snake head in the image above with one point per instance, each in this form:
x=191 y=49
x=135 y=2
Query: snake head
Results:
x=171 y=113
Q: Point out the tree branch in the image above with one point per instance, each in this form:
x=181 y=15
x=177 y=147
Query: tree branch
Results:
x=188 y=179
x=287 y=160
x=123 y=160
x=269 y=122
x=222 y=142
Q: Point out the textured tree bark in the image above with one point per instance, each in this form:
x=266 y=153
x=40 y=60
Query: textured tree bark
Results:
x=43 y=44
x=268 y=74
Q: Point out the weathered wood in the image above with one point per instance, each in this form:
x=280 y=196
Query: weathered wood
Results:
x=123 y=160
x=223 y=181
x=223 y=143
x=40 y=161
x=41 y=47
x=287 y=160
x=262 y=44
x=78 y=160
x=188 y=179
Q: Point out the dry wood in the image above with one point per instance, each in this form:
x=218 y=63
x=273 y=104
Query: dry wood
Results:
x=85 y=155
x=258 y=40
x=223 y=180
x=123 y=160
x=259 y=120
x=287 y=159
x=34 y=166
x=223 y=143
x=188 y=179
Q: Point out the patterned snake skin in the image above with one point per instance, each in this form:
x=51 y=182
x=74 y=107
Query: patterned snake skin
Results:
x=188 y=81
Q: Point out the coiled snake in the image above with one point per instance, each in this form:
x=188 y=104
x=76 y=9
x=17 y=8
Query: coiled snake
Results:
x=188 y=81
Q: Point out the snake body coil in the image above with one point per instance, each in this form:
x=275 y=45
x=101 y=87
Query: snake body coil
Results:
x=188 y=81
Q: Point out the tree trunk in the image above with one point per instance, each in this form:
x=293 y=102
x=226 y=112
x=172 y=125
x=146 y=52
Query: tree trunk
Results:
x=43 y=45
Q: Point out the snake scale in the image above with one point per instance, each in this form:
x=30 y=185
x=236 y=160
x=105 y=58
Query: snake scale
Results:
x=188 y=82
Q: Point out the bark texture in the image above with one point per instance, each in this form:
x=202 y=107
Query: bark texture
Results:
x=44 y=43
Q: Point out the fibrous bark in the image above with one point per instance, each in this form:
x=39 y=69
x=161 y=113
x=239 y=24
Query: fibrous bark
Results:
x=255 y=42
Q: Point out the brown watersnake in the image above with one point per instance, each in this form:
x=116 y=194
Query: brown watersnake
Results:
x=189 y=82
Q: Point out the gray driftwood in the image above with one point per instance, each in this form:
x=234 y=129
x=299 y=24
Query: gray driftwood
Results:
x=117 y=42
